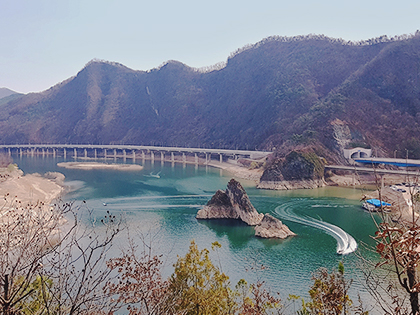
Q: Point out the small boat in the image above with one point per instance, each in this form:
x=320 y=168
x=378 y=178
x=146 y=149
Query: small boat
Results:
x=375 y=205
x=104 y=204
x=154 y=175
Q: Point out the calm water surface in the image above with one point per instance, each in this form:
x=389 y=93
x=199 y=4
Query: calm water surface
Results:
x=164 y=209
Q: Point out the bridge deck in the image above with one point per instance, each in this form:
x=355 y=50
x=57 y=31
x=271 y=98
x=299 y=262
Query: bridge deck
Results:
x=251 y=153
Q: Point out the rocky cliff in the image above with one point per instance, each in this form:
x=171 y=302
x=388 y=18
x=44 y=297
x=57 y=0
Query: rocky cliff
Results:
x=231 y=204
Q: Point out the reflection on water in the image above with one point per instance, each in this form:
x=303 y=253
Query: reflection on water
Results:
x=165 y=207
x=237 y=232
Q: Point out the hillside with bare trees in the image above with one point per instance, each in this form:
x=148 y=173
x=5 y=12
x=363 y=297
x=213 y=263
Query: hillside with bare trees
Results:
x=280 y=91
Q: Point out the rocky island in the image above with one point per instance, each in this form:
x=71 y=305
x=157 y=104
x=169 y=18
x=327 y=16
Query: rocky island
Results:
x=231 y=204
x=234 y=203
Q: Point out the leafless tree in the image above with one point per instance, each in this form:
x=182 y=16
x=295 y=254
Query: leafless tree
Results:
x=51 y=262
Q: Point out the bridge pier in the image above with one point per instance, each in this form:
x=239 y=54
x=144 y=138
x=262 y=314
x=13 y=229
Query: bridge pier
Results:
x=105 y=153
x=54 y=153
x=64 y=153
x=172 y=157
x=152 y=156
x=143 y=156
x=134 y=155
x=96 y=154
x=10 y=152
x=184 y=158
x=221 y=158
x=20 y=152
x=43 y=152
x=74 y=153
x=115 y=154
x=196 y=158
x=124 y=155
x=32 y=152
x=162 y=157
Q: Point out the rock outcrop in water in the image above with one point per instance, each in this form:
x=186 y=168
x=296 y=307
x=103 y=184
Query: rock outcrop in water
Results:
x=231 y=204
x=235 y=204
x=271 y=227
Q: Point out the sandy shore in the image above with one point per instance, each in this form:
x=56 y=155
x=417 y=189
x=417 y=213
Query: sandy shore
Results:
x=29 y=189
x=95 y=165
x=239 y=171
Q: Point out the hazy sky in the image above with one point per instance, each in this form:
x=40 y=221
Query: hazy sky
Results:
x=44 y=42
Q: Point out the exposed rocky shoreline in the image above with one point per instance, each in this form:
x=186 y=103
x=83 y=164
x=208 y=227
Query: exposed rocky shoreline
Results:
x=29 y=188
x=292 y=184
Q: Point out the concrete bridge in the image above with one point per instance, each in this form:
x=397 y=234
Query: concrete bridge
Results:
x=170 y=154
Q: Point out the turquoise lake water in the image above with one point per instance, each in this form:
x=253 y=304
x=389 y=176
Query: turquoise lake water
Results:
x=163 y=209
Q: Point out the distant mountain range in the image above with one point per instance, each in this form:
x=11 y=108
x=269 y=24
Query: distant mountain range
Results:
x=7 y=95
x=6 y=92
x=280 y=91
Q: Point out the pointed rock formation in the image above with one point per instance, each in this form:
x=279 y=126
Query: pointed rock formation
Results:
x=231 y=204
x=235 y=204
x=271 y=227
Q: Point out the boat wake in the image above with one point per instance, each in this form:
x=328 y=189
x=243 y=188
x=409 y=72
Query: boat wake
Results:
x=346 y=244
x=150 y=202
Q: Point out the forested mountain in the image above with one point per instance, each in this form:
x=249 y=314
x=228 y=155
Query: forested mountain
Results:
x=279 y=91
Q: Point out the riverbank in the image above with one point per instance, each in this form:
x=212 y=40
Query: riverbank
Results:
x=29 y=189
x=239 y=171
x=367 y=183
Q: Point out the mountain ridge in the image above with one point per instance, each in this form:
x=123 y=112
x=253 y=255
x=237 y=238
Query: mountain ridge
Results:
x=277 y=92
